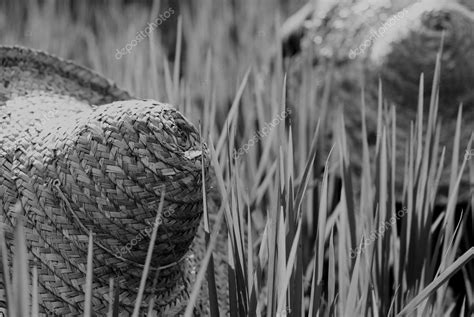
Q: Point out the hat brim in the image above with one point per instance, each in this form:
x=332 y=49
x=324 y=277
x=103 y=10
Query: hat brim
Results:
x=24 y=70
x=36 y=87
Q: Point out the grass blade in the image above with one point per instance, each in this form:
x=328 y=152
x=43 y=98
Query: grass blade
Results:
x=149 y=254
x=89 y=275
x=437 y=282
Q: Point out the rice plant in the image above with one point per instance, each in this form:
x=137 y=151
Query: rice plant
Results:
x=307 y=235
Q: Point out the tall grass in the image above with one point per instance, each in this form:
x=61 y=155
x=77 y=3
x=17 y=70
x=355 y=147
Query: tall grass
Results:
x=399 y=273
x=292 y=226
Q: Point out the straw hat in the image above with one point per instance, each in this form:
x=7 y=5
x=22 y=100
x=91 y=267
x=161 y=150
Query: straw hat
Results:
x=80 y=155
x=364 y=42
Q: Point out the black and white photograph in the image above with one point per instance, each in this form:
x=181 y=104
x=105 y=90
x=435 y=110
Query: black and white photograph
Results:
x=267 y=158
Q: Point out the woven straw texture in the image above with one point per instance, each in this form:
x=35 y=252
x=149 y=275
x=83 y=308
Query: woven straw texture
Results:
x=80 y=157
x=403 y=49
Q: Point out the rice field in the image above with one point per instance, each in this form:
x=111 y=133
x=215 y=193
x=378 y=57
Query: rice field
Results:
x=305 y=235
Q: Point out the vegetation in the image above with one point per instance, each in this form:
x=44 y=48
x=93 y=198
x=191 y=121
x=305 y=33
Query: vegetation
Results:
x=302 y=241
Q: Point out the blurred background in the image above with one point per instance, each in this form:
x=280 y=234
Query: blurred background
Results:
x=220 y=41
x=235 y=33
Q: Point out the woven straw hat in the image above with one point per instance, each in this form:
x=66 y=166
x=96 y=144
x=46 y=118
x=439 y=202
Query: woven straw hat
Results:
x=360 y=42
x=80 y=156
